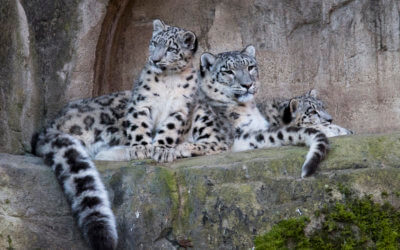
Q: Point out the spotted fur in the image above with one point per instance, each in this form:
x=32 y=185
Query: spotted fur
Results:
x=163 y=94
x=148 y=121
x=68 y=145
x=230 y=81
x=166 y=118
x=309 y=111
x=306 y=111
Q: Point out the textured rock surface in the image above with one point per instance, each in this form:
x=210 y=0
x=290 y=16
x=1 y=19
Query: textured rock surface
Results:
x=54 y=51
x=347 y=49
x=217 y=202
x=20 y=104
x=47 y=53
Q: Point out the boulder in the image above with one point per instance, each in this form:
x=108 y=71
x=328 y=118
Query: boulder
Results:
x=212 y=202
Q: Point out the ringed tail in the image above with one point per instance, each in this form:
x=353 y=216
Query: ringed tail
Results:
x=81 y=183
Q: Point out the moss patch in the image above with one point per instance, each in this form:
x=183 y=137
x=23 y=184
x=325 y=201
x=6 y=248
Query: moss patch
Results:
x=9 y=241
x=352 y=224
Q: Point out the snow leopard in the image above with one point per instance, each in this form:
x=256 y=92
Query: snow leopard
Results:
x=229 y=81
x=306 y=111
x=150 y=121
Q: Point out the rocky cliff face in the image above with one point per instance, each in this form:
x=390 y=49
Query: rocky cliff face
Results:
x=20 y=103
x=347 y=49
x=54 y=51
x=217 y=202
x=47 y=53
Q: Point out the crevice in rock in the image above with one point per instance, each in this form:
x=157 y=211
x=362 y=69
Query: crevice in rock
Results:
x=301 y=25
x=105 y=45
x=334 y=8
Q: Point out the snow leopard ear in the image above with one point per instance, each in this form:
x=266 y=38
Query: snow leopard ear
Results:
x=207 y=60
x=293 y=105
x=189 y=41
x=289 y=111
x=313 y=93
x=158 y=25
x=250 y=51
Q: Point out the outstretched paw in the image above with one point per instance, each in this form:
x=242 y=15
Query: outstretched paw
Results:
x=163 y=154
x=140 y=152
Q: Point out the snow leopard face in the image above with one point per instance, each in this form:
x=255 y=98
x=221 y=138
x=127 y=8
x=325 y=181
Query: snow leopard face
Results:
x=230 y=77
x=171 y=48
x=308 y=110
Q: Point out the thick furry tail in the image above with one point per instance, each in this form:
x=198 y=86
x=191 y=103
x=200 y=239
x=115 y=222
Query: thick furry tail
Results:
x=82 y=185
x=316 y=140
x=318 y=143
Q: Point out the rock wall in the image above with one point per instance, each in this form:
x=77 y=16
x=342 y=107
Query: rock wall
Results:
x=216 y=202
x=48 y=50
x=56 y=51
x=347 y=49
x=20 y=105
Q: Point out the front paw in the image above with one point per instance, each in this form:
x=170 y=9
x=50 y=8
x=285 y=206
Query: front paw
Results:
x=140 y=152
x=163 y=154
x=183 y=150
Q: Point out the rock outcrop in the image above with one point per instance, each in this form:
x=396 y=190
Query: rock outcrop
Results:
x=52 y=52
x=47 y=52
x=347 y=49
x=215 y=202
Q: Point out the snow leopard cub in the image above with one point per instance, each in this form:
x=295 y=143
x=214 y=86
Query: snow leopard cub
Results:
x=306 y=111
x=162 y=98
x=309 y=111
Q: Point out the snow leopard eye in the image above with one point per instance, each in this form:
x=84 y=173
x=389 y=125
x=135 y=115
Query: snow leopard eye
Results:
x=251 y=67
x=229 y=72
x=153 y=44
x=170 y=49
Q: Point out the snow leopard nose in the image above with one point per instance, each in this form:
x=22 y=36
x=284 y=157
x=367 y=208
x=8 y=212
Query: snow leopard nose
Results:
x=157 y=54
x=155 y=60
x=247 y=85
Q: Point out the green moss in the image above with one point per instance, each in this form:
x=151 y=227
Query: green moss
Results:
x=346 y=191
x=9 y=241
x=353 y=224
x=169 y=188
x=328 y=189
x=287 y=233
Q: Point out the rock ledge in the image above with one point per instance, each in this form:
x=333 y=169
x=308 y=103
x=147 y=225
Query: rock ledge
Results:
x=219 y=201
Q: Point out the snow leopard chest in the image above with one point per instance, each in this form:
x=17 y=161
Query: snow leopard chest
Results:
x=166 y=94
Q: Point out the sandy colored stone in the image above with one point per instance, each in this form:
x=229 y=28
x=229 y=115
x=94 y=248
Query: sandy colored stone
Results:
x=20 y=104
x=217 y=202
x=58 y=51
x=346 y=49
